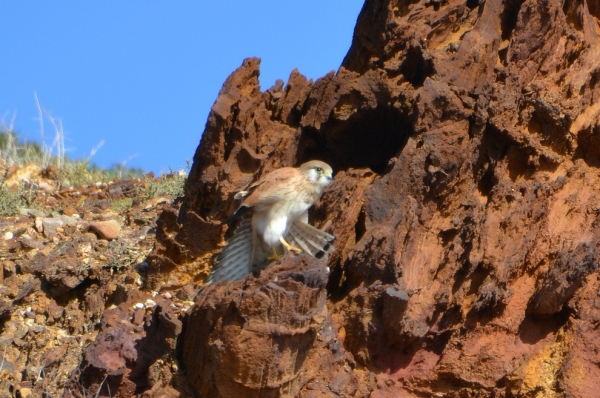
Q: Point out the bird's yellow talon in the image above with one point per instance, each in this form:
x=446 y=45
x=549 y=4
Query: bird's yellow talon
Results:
x=275 y=256
x=290 y=247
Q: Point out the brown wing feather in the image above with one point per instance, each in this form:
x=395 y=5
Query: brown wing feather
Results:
x=263 y=191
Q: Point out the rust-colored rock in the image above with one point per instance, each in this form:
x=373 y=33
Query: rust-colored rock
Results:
x=464 y=136
x=465 y=206
x=120 y=361
x=279 y=320
x=61 y=269
x=108 y=230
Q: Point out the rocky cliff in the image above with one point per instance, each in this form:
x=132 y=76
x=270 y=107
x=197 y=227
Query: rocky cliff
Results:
x=465 y=138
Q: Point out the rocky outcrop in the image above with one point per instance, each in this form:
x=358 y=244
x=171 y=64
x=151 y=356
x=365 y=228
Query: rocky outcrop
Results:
x=464 y=135
x=279 y=320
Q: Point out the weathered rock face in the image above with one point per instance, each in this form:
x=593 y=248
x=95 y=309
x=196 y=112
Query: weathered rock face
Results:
x=465 y=136
x=289 y=333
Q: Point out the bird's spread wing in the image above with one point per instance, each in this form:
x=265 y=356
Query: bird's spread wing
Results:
x=235 y=260
x=242 y=255
x=311 y=240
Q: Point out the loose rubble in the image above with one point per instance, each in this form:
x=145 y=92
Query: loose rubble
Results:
x=72 y=271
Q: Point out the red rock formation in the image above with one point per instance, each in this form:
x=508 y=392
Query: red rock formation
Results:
x=465 y=139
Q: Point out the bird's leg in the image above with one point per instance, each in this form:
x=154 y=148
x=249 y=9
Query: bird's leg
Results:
x=290 y=247
x=275 y=256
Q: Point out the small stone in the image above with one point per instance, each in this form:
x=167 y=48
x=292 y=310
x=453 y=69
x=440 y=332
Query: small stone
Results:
x=68 y=220
x=8 y=235
x=167 y=295
x=25 y=392
x=50 y=225
x=29 y=243
x=187 y=292
x=155 y=201
x=69 y=211
x=46 y=187
x=55 y=310
x=32 y=212
x=88 y=237
x=138 y=317
x=138 y=306
x=10 y=268
x=108 y=230
x=150 y=303
x=102 y=204
x=39 y=226
x=130 y=278
x=37 y=329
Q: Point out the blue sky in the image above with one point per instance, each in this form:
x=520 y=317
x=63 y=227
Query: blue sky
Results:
x=142 y=75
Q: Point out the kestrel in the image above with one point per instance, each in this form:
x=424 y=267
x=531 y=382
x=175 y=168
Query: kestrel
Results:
x=278 y=204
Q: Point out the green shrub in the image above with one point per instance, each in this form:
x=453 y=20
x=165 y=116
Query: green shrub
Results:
x=10 y=201
x=167 y=185
x=121 y=204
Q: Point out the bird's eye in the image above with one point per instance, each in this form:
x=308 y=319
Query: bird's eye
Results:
x=319 y=170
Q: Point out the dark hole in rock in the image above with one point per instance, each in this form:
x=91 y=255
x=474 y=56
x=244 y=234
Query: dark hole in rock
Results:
x=360 y=227
x=472 y=3
x=509 y=17
x=370 y=138
x=588 y=146
x=533 y=329
x=415 y=67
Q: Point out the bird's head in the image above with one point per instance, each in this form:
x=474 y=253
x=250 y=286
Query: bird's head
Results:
x=317 y=172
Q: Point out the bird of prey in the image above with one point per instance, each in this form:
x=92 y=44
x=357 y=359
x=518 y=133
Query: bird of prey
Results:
x=278 y=204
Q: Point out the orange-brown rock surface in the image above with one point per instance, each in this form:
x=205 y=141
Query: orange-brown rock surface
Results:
x=465 y=136
x=465 y=205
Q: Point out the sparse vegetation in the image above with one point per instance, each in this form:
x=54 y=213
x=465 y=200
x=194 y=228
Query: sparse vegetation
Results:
x=10 y=201
x=14 y=151
x=17 y=153
x=69 y=172
x=121 y=204
x=167 y=185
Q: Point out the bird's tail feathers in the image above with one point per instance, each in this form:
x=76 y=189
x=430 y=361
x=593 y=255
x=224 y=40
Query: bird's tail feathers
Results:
x=313 y=241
